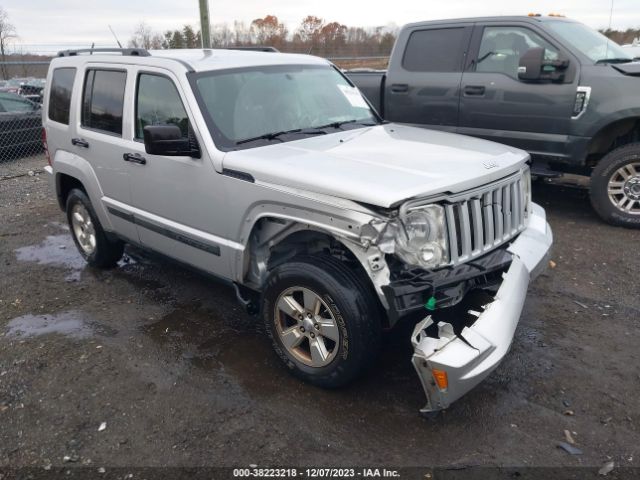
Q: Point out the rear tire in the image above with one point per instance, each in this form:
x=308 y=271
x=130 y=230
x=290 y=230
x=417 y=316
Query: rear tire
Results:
x=343 y=313
x=88 y=234
x=615 y=187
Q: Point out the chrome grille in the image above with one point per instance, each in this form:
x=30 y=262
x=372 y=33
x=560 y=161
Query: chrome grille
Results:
x=485 y=219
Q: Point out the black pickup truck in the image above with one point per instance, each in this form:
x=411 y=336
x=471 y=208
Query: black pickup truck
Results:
x=548 y=85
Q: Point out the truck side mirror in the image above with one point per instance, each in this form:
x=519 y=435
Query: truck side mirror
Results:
x=167 y=140
x=530 y=66
x=534 y=68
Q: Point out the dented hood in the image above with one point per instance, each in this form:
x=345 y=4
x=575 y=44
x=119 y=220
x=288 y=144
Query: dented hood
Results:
x=382 y=165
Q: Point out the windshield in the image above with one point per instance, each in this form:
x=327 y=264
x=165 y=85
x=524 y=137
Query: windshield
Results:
x=256 y=106
x=590 y=42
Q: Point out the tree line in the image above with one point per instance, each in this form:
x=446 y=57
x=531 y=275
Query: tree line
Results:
x=622 y=37
x=313 y=35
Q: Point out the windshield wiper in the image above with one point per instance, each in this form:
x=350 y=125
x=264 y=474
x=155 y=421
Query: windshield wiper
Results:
x=321 y=130
x=337 y=125
x=614 y=60
x=269 y=136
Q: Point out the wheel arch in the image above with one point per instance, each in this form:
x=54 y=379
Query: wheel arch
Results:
x=614 y=134
x=273 y=240
x=73 y=171
x=64 y=184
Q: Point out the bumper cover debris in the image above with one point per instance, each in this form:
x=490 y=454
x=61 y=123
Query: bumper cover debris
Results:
x=450 y=365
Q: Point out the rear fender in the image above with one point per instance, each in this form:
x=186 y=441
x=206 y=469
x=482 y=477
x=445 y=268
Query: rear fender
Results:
x=66 y=163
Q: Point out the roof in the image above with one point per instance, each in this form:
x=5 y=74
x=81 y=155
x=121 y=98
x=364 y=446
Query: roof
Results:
x=199 y=60
x=205 y=59
x=498 y=18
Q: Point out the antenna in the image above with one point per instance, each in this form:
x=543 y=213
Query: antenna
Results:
x=606 y=54
x=114 y=36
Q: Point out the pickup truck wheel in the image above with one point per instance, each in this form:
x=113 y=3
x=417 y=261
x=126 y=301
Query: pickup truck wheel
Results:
x=87 y=233
x=323 y=320
x=615 y=187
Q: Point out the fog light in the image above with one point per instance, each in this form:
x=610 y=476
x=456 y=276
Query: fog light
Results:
x=441 y=379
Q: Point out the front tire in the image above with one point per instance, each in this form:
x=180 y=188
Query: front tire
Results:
x=323 y=320
x=615 y=187
x=88 y=234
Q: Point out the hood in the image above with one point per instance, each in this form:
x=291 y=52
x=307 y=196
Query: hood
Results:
x=382 y=165
x=632 y=69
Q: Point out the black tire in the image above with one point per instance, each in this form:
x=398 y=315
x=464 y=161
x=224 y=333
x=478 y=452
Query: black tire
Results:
x=353 y=304
x=600 y=178
x=106 y=253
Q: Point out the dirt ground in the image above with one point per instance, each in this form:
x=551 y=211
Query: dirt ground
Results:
x=181 y=376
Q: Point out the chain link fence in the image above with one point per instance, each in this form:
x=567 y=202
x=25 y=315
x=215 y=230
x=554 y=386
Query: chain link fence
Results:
x=21 y=90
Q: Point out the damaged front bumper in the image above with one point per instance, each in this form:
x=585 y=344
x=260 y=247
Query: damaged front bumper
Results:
x=449 y=365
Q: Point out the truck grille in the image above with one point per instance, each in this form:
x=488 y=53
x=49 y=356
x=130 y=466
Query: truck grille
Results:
x=485 y=220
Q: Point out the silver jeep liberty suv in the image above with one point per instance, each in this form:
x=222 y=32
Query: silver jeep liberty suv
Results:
x=273 y=173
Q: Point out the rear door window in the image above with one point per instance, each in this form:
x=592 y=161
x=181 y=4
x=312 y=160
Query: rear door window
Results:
x=103 y=100
x=60 y=96
x=436 y=50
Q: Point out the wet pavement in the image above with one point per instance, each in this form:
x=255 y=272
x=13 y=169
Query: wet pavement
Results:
x=182 y=376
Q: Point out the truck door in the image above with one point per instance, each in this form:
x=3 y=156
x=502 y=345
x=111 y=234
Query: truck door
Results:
x=423 y=82
x=497 y=106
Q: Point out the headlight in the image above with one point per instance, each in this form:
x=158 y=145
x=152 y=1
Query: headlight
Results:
x=421 y=237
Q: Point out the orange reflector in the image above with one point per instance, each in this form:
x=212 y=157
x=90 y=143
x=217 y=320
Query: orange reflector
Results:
x=441 y=378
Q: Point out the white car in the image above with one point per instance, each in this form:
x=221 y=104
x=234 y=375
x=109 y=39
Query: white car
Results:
x=633 y=49
x=272 y=172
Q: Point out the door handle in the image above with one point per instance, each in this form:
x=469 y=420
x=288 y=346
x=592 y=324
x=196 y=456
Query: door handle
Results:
x=134 y=158
x=399 y=88
x=80 y=142
x=477 y=90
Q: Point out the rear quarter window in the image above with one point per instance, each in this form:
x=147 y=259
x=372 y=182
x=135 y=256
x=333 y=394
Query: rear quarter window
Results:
x=60 y=94
x=103 y=100
x=435 y=50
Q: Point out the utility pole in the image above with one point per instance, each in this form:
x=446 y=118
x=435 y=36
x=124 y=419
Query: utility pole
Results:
x=205 y=34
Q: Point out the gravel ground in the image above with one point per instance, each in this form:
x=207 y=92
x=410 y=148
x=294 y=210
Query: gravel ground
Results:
x=165 y=360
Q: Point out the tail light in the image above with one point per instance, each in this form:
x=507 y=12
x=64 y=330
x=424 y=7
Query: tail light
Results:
x=46 y=147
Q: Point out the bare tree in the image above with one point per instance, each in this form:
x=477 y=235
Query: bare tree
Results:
x=242 y=33
x=145 y=37
x=221 y=35
x=308 y=32
x=7 y=35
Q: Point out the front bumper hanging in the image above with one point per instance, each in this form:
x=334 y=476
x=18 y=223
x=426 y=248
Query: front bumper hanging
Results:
x=450 y=364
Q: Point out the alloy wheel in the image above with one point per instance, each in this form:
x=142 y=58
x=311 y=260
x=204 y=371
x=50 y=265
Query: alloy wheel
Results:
x=306 y=326
x=83 y=228
x=624 y=188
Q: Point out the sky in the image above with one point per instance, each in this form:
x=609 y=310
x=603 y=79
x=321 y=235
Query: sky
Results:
x=43 y=24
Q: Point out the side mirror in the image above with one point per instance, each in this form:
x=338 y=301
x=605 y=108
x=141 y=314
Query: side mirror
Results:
x=168 y=140
x=530 y=66
x=534 y=68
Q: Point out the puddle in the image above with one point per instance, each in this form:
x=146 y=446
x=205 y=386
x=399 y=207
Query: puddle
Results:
x=70 y=324
x=56 y=250
x=61 y=251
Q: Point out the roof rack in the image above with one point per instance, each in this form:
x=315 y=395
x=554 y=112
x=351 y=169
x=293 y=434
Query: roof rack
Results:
x=127 y=52
x=255 y=49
